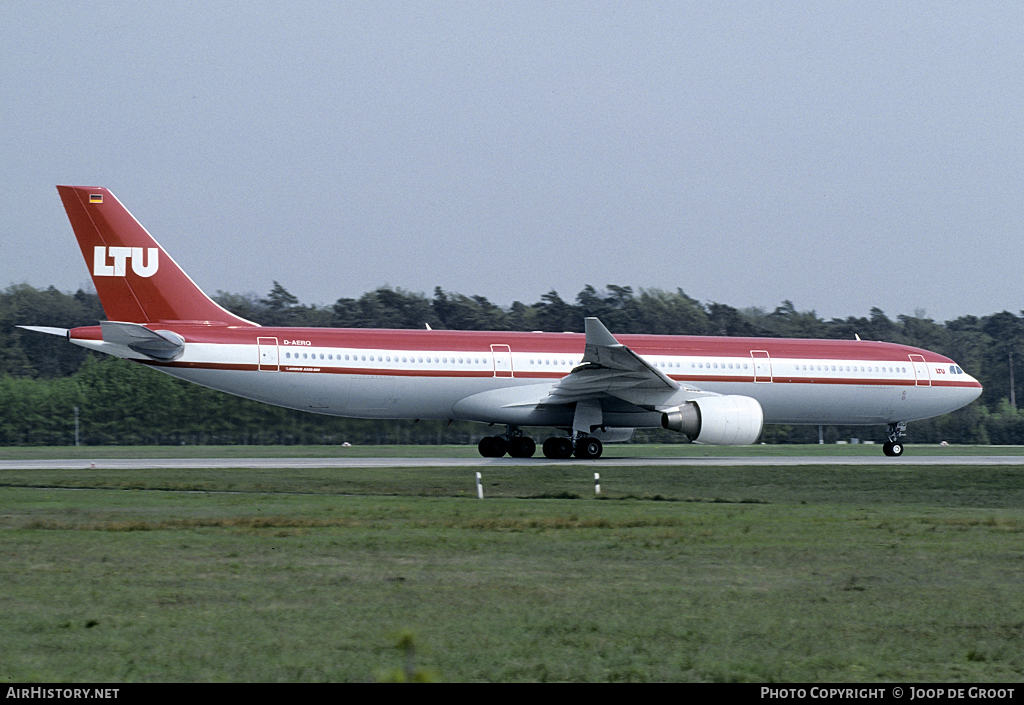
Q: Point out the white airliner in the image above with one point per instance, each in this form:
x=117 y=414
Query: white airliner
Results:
x=593 y=387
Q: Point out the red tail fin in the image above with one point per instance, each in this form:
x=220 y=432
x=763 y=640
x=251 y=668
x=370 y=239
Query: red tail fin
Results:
x=137 y=281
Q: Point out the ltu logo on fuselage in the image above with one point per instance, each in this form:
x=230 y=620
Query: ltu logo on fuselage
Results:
x=120 y=257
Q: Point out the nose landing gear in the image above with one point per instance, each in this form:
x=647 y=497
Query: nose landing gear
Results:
x=893 y=447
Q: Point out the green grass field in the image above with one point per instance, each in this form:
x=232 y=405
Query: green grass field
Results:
x=690 y=573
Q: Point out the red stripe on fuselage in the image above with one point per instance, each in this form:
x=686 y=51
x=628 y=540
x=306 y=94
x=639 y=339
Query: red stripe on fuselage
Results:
x=477 y=342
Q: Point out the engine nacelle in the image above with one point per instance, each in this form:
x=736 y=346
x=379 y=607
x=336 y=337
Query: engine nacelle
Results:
x=730 y=420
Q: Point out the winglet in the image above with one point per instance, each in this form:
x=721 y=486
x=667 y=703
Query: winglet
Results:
x=609 y=368
x=603 y=350
x=597 y=334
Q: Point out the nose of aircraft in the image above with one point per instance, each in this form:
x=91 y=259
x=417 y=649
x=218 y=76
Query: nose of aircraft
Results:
x=968 y=392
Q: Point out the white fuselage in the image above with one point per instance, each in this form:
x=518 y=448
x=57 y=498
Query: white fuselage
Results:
x=795 y=382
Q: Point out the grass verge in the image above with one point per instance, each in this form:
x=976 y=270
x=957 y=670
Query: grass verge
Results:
x=676 y=574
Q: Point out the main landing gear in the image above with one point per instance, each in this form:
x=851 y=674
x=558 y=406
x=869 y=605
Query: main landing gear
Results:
x=515 y=444
x=893 y=447
x=583 y=447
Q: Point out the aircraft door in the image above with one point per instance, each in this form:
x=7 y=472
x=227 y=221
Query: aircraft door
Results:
x=268 y=354
x=762 y=365
x=502 y=355
x=921 y=370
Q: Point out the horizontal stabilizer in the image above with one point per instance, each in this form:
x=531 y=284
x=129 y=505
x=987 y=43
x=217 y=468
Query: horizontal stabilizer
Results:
x=62 y=332
x=157 y=344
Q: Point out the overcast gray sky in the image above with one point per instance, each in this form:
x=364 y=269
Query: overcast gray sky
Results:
x=842 y=155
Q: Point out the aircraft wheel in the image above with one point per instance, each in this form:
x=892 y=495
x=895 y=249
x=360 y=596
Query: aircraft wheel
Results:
x=893 y=450
x=588 y=448
x=557 y=448
x=522 y=447
x=492 y=447
x=484 y=446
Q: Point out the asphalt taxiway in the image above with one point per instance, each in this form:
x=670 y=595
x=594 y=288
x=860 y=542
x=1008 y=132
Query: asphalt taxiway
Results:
x=605 y=461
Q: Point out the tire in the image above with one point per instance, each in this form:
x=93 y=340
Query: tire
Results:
x=522 y=447
x=893 y=449
x=557 y=448
x=588 y=448
x=492 y=446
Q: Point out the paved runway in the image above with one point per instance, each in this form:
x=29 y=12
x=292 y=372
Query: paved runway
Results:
x=607 y=461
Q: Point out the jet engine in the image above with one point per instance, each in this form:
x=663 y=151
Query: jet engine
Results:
x=730 y=420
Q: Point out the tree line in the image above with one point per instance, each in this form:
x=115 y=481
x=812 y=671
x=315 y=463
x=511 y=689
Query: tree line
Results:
x=45 y=382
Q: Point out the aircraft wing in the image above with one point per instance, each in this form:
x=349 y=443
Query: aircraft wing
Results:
x=610 y=369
